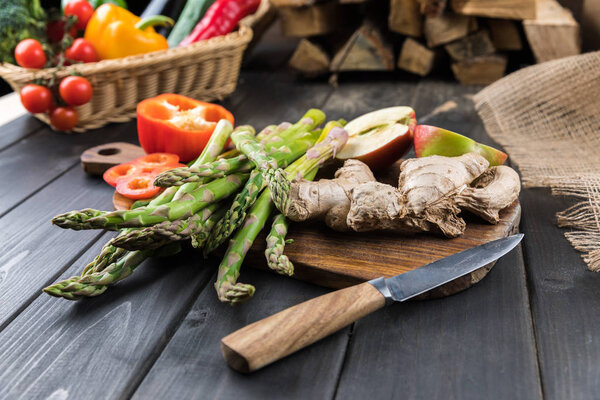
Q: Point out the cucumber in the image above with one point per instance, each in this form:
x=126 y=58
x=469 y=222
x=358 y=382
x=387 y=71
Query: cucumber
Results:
x=193 y=11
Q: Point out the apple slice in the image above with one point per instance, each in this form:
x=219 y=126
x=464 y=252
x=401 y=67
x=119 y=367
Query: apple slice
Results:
x=381 y=137
x=430 y=140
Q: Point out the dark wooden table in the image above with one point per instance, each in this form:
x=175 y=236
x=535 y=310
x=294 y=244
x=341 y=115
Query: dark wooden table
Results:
x=530 y=329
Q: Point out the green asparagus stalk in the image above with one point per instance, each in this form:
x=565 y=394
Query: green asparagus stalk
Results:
x=95 y=283
x=109 y=253
x=158 y=235
x=227 y=287
x=184 y=207
x=276 y=241
x=236 y=163
x=199 y=237
x=247 y=196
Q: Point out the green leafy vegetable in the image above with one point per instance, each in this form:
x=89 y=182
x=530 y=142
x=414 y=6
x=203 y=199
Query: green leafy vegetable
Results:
x=20 y=19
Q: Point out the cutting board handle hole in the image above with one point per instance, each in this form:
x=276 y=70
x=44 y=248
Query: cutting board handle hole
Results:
x=111 y=151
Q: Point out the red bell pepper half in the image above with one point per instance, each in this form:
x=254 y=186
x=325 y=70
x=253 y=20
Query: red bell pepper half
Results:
x=177 y=124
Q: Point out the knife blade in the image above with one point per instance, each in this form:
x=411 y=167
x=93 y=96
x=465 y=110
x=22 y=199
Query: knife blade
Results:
x=281 y=334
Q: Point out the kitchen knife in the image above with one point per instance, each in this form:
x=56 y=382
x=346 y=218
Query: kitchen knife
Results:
x=281 y=334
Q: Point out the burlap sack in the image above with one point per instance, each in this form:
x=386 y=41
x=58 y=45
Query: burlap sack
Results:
x=548 y=119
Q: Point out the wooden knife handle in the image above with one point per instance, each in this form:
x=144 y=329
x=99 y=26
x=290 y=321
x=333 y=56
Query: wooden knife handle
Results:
x=281 y=334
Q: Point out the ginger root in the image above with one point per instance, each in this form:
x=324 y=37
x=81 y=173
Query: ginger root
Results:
x=431 y=193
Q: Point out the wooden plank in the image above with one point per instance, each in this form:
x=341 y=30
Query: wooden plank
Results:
x=505 y=34
x=446 y=28
x=100 y=347
x=434 y=349
x=564 y=298
x=191 y=366
x=45 y=155
x=510 y=9
x=18 y=129
x=416 y=58
x=32 y=251
x=480 y=70
x=310 y=59
x=554 y=33
x=365 y=50
x=405 y=17
x=475 y=45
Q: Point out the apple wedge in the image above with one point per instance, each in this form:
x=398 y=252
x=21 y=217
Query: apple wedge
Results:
x=430 y=140
x=381 y=137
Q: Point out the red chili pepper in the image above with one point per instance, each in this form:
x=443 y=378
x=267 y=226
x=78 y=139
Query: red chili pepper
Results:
x=220 y=19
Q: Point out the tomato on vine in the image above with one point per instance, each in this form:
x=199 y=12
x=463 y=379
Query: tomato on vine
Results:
x=82 y=50
x=36 y=98
x=64 y=118
x=75 y=90
x=82 y=10
x=29 y=53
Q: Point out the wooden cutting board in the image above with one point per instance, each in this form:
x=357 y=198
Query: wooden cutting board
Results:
x=332 y=259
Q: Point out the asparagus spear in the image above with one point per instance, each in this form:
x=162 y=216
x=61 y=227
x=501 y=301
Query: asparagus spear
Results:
x=95 y=283
x=184 y=207
x=247 y=196
x=223 y=166
x=276 y=241
x=110 y=254
x=158 y=235
x=227 y=287
x=199 y=237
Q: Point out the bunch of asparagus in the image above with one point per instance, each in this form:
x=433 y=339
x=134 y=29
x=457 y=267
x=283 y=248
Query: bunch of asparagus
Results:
x=195 y=206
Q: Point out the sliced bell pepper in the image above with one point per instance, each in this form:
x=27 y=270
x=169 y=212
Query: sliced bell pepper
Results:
x=177 y=124
x=152 y=164
x=139 y=186
x=115 y=32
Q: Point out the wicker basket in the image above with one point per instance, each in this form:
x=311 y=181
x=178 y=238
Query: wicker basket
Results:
x=205 y=70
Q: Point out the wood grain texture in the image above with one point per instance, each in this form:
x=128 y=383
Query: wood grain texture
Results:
x=270 y=339
x=45 y=155
x=564 y=299
x=18 y=129
x=192 y=367
x=476 y=344
x=365 y=50
x=33 y=251
x=317 y=19
x=553 y=33
x=511 y=9
x=416 y=58
x=96 y=160
x=405 y=17
x=480 y=70
x=310 y=59
x=475 y=45
x=446 y=28
x=100 y=347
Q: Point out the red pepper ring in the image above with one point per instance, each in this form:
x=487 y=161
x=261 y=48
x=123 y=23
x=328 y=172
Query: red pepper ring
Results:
x=157 y=160
x=138 y=187
x=171 y=123
x=118 y=172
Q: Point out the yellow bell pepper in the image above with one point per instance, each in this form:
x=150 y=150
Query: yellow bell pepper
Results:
x=116 y=32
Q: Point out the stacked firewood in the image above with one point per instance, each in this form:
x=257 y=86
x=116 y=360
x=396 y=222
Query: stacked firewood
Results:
x=473 y=38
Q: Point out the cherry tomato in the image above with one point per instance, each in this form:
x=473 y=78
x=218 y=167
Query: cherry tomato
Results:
x=75 y=90
x=64 y=118
x=29 y=53
x=138 y=187
x=82 y=10
x=82 y=50
x=55 y=31
x=157 y=159
x=118 y=172
x=36 y=98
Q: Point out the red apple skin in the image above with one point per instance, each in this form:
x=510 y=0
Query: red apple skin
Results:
x=386 y=155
